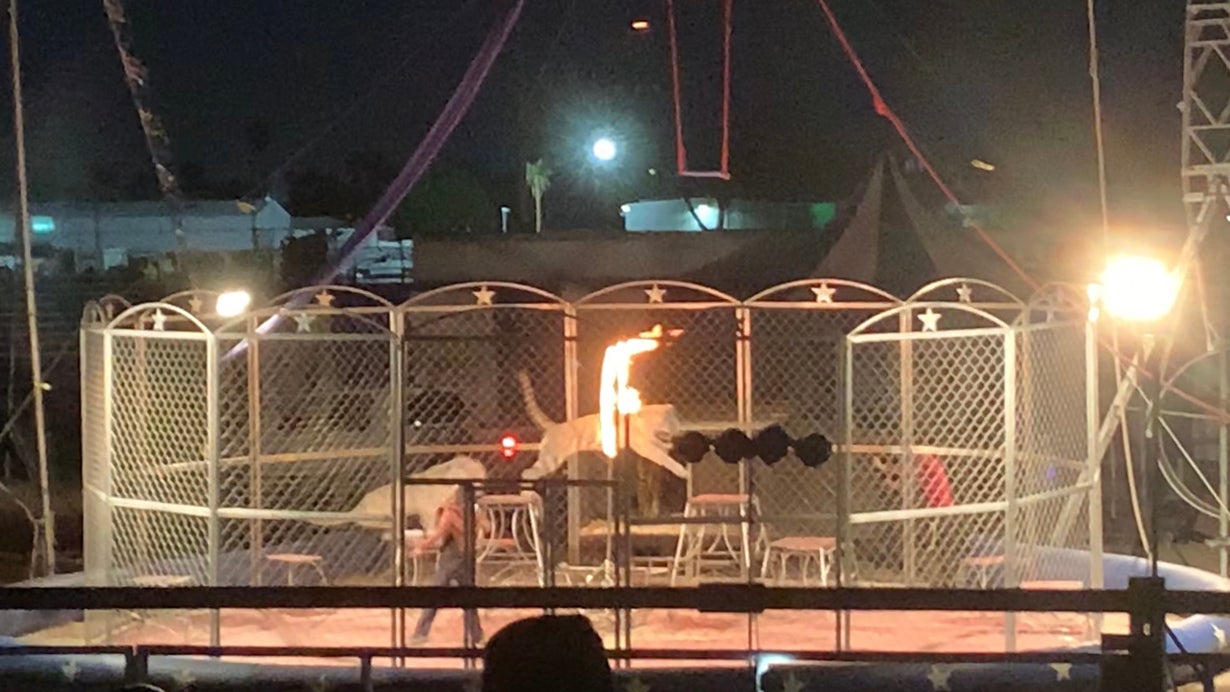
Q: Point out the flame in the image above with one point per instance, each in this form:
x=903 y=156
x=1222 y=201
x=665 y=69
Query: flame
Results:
x=616 y=398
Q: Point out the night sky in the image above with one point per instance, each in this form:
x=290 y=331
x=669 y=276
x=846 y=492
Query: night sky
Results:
x=1000 y=80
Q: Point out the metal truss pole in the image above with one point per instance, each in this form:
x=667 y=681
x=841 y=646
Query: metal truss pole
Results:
x=1206 y=168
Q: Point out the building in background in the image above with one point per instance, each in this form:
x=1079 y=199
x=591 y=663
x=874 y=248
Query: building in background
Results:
x=105 y=235
x=702 y=214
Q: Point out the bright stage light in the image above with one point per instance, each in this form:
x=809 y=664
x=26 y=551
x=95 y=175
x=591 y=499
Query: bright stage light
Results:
x=1137 y=289
x=640 y=25
x=604 y=149
x=233 y=303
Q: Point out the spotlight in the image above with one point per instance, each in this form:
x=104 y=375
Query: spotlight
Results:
x=232 y=303
x=689 y=448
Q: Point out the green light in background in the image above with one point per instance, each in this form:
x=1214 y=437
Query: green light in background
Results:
x=42 y=224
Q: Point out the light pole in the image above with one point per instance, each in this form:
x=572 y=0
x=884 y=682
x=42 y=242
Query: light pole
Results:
x=1141 y=291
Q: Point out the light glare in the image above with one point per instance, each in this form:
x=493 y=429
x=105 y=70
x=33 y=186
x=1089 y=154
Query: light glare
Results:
x=1137 y=289
x=604 y=149
x=233 y=303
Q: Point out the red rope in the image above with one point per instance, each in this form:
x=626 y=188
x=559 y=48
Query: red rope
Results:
x=681 y=155
x=882 y=109
x=728 y=10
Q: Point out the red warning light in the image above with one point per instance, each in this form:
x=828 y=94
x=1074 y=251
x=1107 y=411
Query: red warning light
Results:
x=508 y=446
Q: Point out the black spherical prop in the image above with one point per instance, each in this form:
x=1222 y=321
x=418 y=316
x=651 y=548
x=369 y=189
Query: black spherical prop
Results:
x=772 y=444
x=813 y=450
x=733 y=446
x=689 y=448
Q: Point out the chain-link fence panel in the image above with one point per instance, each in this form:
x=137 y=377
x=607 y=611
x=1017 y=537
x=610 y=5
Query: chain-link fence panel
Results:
x=1054 y=477
x=795 y=368
x=305 y=437
x=932 y=491
x=159 y=438
x=696 y=374
x=484 y=362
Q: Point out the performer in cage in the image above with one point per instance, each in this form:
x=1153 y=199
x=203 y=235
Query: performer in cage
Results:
x=448 y=536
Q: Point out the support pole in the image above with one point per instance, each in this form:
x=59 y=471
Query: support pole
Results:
x=1223 y=463
x=1146 y=642
x=27 y=257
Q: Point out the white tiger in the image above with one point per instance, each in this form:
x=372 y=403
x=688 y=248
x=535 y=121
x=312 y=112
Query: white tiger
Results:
x=652 y=430
x=375 y=509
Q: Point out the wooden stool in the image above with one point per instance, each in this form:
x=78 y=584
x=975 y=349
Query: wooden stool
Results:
x=721 y=511
x=293 y=560
x=514 y=538
x=981 y=566
x=806 y=549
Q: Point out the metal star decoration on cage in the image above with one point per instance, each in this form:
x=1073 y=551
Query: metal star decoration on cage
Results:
x=484 y=295
x=656 y=294
x=964 y=293
x=324 y=299
x=70 y=670
x=160 y=321
x=824 y=293
x=303 y=322
x=195 y=304
x=930 y=320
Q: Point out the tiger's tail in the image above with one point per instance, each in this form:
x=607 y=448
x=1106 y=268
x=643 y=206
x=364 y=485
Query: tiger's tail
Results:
x=540 y=418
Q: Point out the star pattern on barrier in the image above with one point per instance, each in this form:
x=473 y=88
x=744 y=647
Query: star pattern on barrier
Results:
x=303 y=322
x=824 y=292
x=160 y=320
x=938 y=675
x=930 y=320
x=1063 y=671
x=965 y=293
x=195 y=304
x=324 y=299
x=791 y=683
x=184 y=679
x=71 y=670
x=656 y=294
x=636 y=684
x=484 y=295
x=1220 y=634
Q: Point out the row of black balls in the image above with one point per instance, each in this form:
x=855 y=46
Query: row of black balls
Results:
x=770 y=445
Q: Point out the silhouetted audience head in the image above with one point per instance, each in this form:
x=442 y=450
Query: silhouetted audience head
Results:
x=551 y=652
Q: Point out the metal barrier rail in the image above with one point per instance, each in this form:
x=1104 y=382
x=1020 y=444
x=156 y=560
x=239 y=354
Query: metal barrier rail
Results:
x=1146 y=601
x=714 y=598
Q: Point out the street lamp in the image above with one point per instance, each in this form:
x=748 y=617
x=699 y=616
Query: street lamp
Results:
x=604 y=149
x=1141 y=291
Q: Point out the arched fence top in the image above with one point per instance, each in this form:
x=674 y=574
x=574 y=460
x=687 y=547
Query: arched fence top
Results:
x=156 y=317
x=1068 y=299
x=97 y=313
x=483 y=294
x=304 y=323
x=836 y=292
x=967 y=290
x=928 y=317
x=656 y=293
x=324 y=296
x=198 y=301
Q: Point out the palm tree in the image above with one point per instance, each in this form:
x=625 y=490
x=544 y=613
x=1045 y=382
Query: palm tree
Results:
x=538 y=178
